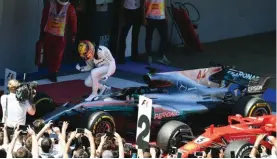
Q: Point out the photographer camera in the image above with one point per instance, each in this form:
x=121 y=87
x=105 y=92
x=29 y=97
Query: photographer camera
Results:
x=16 y=104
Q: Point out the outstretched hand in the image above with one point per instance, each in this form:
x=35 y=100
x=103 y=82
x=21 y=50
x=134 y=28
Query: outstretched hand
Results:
x=30 y=131
x=78 y=67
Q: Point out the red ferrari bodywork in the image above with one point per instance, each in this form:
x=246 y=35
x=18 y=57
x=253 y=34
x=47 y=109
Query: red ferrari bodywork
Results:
x=239 y=128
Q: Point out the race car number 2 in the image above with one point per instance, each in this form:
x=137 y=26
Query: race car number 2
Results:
x=201 y=139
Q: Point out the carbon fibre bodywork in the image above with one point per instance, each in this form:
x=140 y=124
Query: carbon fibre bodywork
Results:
x=176 y=95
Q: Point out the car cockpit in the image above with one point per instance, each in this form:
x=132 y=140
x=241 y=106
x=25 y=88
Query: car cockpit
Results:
x=128 y=93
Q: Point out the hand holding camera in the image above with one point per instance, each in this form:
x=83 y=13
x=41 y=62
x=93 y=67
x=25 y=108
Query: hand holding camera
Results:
x=23 y=129
x=30 y=130
x=49 y=124
x=56 y=130
x=17 y=132
x=80 y=131
x=72 y=135
x=104 y=138
x=88 y=133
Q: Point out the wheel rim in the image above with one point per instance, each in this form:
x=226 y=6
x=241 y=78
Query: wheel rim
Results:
x=104 y=126
x=245 y=154
x=260 y=112
x=176 y=140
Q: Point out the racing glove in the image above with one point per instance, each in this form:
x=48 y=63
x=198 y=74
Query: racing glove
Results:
x=105 y=78
x=79 y=68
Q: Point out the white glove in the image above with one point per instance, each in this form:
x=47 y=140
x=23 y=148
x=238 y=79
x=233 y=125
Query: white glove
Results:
x=105 y=78
x=78 y=67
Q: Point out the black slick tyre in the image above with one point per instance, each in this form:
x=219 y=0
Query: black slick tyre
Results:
x=250 y=106
x=101 y=122
x=170 y=135
x=238 y=149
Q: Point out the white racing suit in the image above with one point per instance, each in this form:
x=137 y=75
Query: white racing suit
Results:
x=101 y=67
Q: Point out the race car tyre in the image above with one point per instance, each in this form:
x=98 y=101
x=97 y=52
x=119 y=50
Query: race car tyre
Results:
x=101 y=122
x=250 y=106
x=171 y=135
x=238 y=149
x=44 y=104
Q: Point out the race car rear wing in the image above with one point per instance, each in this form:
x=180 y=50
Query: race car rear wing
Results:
x=257 y=86
x=253 y=83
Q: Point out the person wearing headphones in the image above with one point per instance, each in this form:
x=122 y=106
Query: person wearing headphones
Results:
x=101 y=64
x=14 y=112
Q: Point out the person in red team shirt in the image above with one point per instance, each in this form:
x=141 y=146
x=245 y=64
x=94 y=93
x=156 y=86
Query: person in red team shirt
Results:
x=56 y=17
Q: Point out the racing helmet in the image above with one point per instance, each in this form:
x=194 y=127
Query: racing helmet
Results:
x=86 y=50
x=63 y=2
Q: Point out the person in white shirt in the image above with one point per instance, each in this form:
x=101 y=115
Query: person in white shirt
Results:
x=103 y=62
x=14 y=112
x=131 y=14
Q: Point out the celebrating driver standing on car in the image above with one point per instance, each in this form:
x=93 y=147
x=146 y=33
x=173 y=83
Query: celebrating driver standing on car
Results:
x=103 y=62
x=14 y=112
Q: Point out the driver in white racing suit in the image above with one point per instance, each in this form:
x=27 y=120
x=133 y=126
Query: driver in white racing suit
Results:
x=101 y=64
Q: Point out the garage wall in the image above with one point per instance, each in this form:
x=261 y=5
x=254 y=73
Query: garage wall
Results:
x=19 y=31
x=225 y=19
x=20 y=19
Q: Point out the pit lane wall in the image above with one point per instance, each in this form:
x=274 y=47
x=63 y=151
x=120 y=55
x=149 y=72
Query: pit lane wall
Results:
x=20 y=19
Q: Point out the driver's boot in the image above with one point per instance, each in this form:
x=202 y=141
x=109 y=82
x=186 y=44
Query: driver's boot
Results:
x=91 y=98
x=104 y=89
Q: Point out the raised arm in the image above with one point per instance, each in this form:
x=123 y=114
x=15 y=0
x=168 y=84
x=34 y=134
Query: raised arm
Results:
x=88 y=134
x=34 y=142
x=120 y=145
x=67 y=146
x=100 y=146
x=11 y=147
x=45 y=128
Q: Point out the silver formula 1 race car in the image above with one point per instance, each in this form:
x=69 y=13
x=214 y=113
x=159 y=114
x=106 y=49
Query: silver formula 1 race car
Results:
x=181 y=95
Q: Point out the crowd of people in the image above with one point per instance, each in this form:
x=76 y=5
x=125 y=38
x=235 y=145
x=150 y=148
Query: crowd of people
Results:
x=52 y=140
x=255 y=153
x=47 y=140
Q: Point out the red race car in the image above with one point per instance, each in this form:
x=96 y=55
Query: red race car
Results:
x=236 y=139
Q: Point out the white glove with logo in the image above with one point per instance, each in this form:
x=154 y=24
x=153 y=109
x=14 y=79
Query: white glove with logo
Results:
x=79 y=68
x=105 y=78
